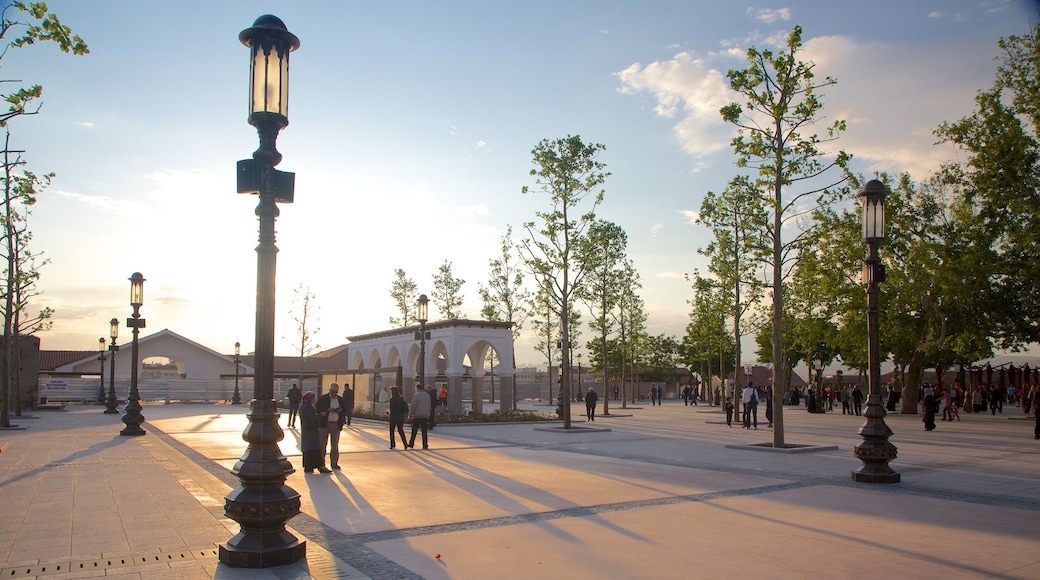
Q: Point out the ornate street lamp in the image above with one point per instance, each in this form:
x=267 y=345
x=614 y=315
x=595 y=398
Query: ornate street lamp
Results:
x=101 y=383
x=132 y=413
x=422 y=316
x=112 y=403
x=236 y=398
x=876 y=451
x=262 y=503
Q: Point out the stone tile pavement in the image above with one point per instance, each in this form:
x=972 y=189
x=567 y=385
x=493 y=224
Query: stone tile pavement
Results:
x=655 y=492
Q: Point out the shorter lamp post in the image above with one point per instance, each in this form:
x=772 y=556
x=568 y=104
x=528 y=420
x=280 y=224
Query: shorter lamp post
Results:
x=236 y=398
x=112 y=403
x=422 y=315
x=577 y=392
x=101 y=382
x=132 y=416
x=876 y=451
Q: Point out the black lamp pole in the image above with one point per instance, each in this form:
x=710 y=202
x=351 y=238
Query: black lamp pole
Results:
x=236 y=398
x=262 y=503
x=423 y=315
x=132 y=413
x=112 y=403
x=101 y=383
x=876 y=451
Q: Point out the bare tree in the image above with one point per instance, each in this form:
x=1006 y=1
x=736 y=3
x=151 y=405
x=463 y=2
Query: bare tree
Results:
x=304 y=313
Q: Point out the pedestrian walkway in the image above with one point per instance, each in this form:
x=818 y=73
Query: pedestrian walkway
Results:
x=661 y=494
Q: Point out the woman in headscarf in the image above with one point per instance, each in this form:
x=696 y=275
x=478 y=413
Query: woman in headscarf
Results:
x=310 y=443
x=398 y=415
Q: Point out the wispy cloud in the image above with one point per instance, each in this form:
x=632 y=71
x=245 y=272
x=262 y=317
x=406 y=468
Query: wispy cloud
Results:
x=686 y=87
x=769 y=15
x=690 y=215
x=655 y=228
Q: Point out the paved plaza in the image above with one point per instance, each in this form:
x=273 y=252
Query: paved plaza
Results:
x=651 y=492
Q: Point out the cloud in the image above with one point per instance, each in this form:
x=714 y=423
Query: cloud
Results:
x=768 y=15
x=120 y=206
x=687 y=88
x=690 y=215
x=471 y=211
x=86 y=124
x=655 y=228
x=671 y=275
x=890 y=111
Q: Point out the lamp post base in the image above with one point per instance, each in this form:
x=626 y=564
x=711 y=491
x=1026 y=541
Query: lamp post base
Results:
x=262 y=503
x=876 y=451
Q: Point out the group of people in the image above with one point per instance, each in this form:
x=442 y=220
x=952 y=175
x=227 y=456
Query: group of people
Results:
x=321 y=421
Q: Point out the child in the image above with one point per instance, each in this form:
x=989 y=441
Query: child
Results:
x=954 y=414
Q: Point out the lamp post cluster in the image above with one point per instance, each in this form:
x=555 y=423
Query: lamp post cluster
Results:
x=132 y=413
x=422 y=315
x=876 y=451
x=262 y=502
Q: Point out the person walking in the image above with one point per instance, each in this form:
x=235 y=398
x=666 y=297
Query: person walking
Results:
x=660 y=394
x=947 y=399
x=420 y=410
x=294 y=396
x=434 y=401
x=1036 y=413
x=398 y=415
x=590 y=404
x=348 y=401
x=310 y=442
x=331 y=418
x=729 y=413
x=843 y=394
x=750 y=398
x=769 y=406
x=617 y=393
x=857 y=400
x=930 y=406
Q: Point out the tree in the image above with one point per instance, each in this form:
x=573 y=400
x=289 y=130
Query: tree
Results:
x=706 y=338
x=737 y=219
x=304 y=314
x=1001 y=181
x=20 y=191
x=601 y=292
x=505 y=298
x=403 y=290
x=567 y=170
x=781 y=101
x=447 y=292
x=630 y=317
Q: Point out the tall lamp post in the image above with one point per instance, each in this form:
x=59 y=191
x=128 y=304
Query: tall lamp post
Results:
x=101 y=359
x=112 y=403
x=422 y=316
x=262 y=503
x=132 y=413
x=876 y=451
x=236 y=397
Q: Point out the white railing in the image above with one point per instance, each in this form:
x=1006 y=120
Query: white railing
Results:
x=157 y=390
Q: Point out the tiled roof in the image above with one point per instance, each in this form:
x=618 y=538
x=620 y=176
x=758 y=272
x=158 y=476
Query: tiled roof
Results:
x=52 y=359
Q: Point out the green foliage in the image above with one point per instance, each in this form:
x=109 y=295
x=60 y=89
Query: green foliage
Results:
x=505 y=298
x=447 y=292
x=403 y=291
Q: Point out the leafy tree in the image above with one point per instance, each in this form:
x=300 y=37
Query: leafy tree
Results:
x=780 y=102
x=23 y=24
x=706 y=337
x=567 y=170
x=505 y=298
x=304 y=314
x=630 y=317
x=403 y=291
x=1000 y=181
x=737 y=219
x=601 y=292
x=447 y=292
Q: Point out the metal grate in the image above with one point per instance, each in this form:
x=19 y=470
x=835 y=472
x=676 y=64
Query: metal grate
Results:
x=199 y=556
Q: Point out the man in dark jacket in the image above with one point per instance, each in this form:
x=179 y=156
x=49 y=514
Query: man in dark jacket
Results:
x=348 y=400
x=331 y=418
x=294 y=395
x=590 y=404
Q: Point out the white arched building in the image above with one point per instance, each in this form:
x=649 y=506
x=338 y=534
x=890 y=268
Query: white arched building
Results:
x=456 y=352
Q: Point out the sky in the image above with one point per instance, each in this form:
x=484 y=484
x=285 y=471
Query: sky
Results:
x=411 y=126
